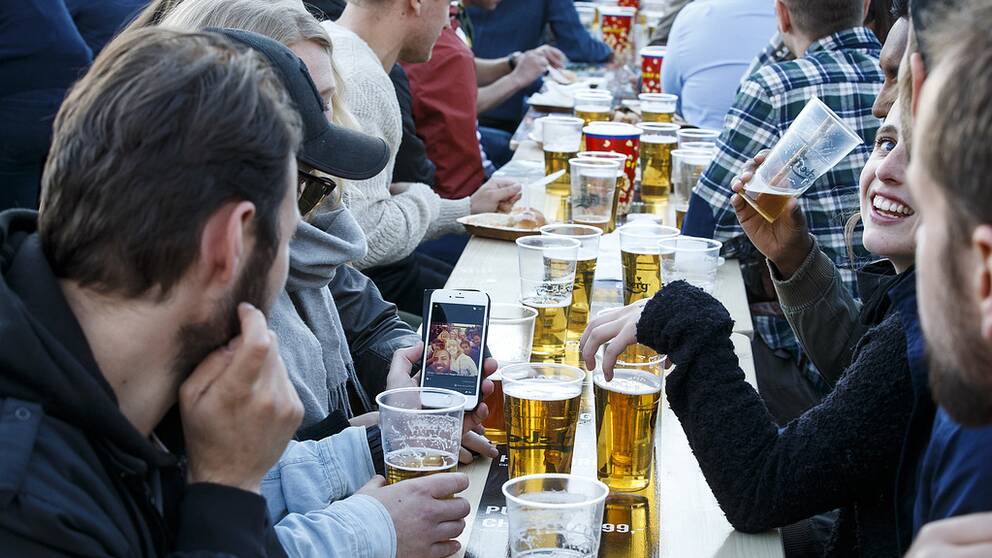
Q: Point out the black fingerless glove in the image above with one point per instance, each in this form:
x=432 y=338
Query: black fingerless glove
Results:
x=683 y=321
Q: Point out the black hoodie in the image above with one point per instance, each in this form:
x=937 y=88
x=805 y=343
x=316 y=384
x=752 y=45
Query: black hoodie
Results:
x=76 y=478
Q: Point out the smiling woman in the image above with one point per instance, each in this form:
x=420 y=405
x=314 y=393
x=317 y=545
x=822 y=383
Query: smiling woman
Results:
x=887 y=205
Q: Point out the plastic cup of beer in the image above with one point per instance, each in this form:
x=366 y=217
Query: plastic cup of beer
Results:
x=421 y=431
x=585 y=271
x=815 y=141
x=639 y=245
x=626 y=415
x=658 y=107
x=561 y=137
x=689 y=135
x=547 y=277
x=688 y=165
x=658 y=140
x=511 y=333
x=593 y=105
x=554 y=516
x=541 y=407
x=690 y=259
x=625 y=188
x=594 y=185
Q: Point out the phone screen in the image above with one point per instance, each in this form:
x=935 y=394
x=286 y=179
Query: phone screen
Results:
x=453 y=355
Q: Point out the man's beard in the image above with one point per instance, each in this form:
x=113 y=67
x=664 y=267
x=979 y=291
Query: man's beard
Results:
x=960 y=364
x=199 y=339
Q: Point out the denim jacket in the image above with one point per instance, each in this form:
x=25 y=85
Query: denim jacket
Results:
x=311 y=500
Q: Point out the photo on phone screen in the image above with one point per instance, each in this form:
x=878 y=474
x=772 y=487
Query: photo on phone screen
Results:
x=453 y=355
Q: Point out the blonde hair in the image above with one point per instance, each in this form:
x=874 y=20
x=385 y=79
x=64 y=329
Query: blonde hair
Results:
x=286 y=21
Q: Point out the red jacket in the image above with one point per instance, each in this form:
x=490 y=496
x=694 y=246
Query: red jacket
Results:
x=444 y=92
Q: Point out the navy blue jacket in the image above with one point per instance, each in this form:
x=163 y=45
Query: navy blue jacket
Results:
x=955 y=476
x=76 y=478
x=519 y=25
x=45 y=46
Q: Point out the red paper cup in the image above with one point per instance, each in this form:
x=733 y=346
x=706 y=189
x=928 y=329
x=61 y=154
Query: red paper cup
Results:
x=617 y=24
x=651 y=61
x=618 y=138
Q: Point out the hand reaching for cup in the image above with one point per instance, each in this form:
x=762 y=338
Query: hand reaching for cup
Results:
x=618 y=328
x=785 y=242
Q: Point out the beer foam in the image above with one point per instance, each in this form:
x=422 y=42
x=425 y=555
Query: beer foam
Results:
x=541 y=389
x=629 y=382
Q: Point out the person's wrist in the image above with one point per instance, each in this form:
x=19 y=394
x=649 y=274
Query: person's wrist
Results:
x=511 y=60
x=789 y=262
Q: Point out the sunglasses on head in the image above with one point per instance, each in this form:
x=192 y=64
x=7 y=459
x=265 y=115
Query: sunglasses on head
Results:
x=313 y=190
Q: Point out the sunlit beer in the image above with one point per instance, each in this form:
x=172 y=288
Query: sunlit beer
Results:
x=555 y=161
x=594 y=186
x=769 y=203
x=561 y=137
x=550 y=330
x=547 y=276
x=627 y=529
x=641 y=260
x=411 y=463
x=626 y=412
x=658 y=107
x=578 y=314
x=641 y=275
x=680 y=212
x=657 y=143
x=541 y=407
x=593 y=105
x=421 y=431
x=495 y=423
x=625 y=189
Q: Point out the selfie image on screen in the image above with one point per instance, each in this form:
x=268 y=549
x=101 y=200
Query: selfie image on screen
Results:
x=454 y=347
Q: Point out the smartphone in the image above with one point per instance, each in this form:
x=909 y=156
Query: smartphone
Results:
x=455 y=336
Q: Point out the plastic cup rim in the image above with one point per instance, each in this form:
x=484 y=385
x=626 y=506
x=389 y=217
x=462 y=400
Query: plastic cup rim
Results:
x=593 y=231
x=658 y=97
x=709 y=242
x=658 y=126
x=523 y=242
x=595 y=162
x=421 y=389
x=655 y=51
x=602 y=155
x=531 y=313
x=593 y=501
x=594 y=93
x=631 y=230
x=530 y=365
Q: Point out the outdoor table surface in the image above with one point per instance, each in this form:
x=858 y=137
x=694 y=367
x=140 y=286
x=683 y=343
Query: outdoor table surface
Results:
x=675 y=516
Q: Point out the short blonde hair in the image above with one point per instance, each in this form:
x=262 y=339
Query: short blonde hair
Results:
x=286 y=21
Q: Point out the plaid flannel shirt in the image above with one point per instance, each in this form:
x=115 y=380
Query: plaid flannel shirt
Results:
x=843 y=71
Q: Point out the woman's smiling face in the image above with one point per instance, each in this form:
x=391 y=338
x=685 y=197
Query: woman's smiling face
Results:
x=887 y=206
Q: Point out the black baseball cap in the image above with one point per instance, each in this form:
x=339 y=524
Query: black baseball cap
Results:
x=328 y=148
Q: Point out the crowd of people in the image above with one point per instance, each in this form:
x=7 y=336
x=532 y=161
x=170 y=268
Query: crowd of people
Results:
x=218 y=219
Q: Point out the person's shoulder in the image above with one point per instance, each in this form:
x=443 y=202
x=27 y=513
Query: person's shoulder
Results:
x=54 y=488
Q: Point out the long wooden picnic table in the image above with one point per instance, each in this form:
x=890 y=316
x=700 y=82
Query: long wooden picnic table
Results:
x=677 y=514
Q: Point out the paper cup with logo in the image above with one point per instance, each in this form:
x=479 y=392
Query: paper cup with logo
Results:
x=618 y=138
x=616 y=24
x=651 y=60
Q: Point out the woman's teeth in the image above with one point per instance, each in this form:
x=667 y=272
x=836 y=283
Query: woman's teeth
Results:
x=888 y=205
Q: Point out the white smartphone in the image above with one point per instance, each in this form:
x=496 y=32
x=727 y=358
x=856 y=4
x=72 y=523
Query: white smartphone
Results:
x=455 y=337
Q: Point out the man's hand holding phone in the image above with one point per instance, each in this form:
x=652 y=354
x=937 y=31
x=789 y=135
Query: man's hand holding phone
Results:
x=472 y=438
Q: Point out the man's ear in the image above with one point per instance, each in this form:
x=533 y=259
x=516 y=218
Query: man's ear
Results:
x=919 y=75
x=225 y=242
x=981 y=244
x=416 y=6
x=784 y=19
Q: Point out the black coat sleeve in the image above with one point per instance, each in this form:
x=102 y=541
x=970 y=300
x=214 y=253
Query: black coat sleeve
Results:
x=762 y=475
x=412 y=162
